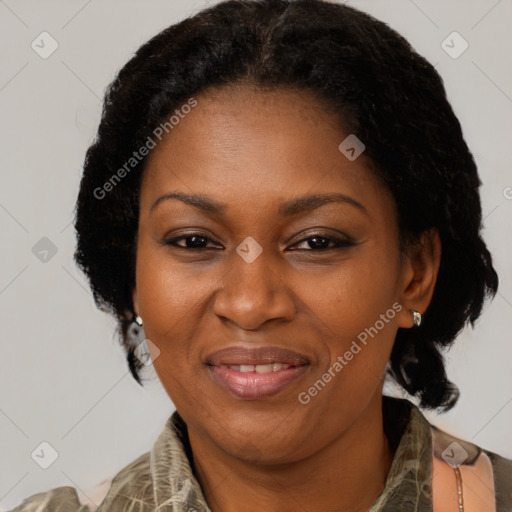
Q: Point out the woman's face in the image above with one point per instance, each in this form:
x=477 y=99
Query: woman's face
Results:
x=274 y=314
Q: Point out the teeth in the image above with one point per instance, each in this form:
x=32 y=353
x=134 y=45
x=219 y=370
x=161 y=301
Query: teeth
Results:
x=264 y=368
x=258 y=368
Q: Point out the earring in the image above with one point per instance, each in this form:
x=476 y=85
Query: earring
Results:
x=416 y=318
x=138 y=320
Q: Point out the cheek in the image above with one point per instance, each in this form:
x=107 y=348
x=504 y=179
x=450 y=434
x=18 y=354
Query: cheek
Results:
x=170 y=294
x=354 y=296
x=356 y=315
x=171 y=300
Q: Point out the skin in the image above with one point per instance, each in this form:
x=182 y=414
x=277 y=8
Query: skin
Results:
x=253 y=150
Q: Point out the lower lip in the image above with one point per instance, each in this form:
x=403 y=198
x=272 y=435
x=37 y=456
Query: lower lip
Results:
x=256 y=386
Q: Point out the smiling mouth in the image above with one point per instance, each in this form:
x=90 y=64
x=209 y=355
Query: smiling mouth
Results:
x=247 y=383
x=256 y=373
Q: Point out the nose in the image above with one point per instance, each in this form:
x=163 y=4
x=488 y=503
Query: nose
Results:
x=253 y=293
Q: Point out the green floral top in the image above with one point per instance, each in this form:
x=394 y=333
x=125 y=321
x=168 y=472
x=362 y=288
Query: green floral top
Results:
x=163 y=479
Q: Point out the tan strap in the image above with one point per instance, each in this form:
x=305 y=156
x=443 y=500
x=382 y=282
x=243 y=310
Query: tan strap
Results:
x=462 y=476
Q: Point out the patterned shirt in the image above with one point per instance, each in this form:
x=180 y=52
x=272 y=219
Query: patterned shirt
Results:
x=163 y=479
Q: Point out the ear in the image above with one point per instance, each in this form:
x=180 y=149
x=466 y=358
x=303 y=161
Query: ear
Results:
x=419 y=275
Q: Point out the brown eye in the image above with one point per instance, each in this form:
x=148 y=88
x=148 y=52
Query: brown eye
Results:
x=192 y=241
x=320 y=242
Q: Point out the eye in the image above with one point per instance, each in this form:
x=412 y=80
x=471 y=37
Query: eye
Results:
x=316 y=242
x=192 y=241
x=322 y=242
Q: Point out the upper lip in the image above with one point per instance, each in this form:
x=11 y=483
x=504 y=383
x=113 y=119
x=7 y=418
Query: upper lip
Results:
x=256 y=355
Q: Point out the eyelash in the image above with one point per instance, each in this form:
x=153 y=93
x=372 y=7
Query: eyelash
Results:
x=339 y=242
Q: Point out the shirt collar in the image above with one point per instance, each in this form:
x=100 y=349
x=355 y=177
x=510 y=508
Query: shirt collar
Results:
x=170 y=462
x=409 y=482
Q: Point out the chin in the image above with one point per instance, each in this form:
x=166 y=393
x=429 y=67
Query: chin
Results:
x=262 y=441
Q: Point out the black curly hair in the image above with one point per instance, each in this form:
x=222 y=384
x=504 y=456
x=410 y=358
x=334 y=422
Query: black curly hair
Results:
x=391 y=97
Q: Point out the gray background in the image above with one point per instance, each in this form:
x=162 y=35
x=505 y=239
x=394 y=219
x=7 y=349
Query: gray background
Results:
x=63 y=376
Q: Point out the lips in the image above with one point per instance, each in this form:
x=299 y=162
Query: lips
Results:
x=256 y=373
x=256 y=356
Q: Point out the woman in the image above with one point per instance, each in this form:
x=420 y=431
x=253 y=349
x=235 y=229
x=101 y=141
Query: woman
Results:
x=281 y=197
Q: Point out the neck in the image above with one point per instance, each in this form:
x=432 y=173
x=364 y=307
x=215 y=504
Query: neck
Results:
x=347 y=474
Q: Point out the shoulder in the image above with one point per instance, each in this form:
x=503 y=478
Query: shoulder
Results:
x=132 y=488
x=60 y=499
x=120 y=491
x=484 y=476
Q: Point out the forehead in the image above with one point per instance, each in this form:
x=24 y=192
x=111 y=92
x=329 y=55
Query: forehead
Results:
x=233 y=121
x=240 y=141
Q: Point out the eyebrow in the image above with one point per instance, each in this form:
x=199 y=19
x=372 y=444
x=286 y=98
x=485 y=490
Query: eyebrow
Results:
x=289 y=208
